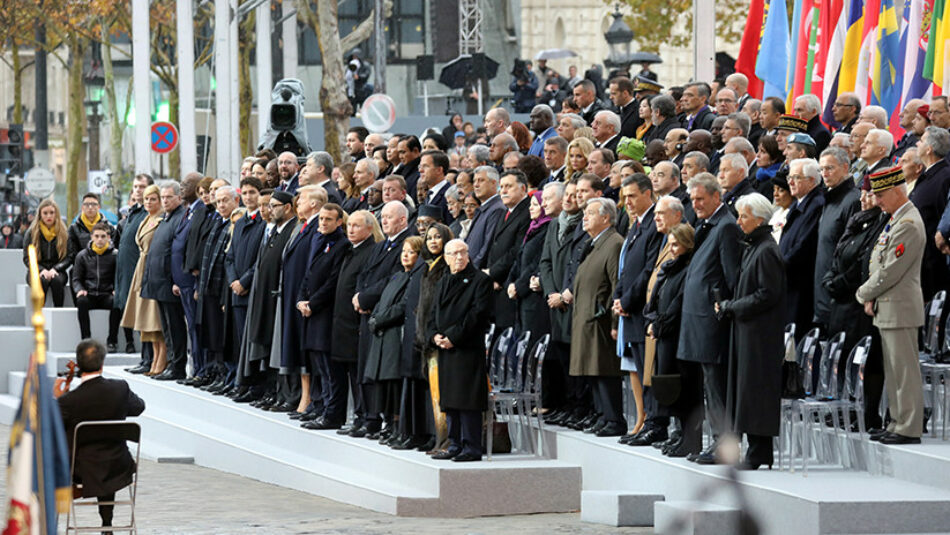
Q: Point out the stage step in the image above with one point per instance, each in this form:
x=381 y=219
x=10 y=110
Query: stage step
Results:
x=9 y=405
x=618 y=508
x=12 y=315
x=828 y=500
x=236 y=438
x=63 y=327
x=22 y=297
x=17 y=347
x=12 y=273
x=695 y=518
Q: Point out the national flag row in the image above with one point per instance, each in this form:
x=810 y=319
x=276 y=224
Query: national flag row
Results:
x=885 y=51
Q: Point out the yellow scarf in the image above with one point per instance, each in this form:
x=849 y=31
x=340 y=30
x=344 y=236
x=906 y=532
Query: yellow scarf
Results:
x=433 y=262
x=98 y=250
x=88 y=224
x=48 y=233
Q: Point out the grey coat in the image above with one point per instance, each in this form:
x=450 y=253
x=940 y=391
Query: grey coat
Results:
x=841 y=202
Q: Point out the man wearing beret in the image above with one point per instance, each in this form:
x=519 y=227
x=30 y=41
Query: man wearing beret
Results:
x=892 y=296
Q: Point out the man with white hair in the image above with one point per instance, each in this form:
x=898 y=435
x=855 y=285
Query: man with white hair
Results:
x=733 y=179
x=930 y=198
x=799 y=242
x=909 y=139
x=808 y=107
x=892 y=296
x=875 y=150
x=496 y=121
x=606 y=128
x=875 y=115
x=382 y=263
x=320 y=165
x=842 y=200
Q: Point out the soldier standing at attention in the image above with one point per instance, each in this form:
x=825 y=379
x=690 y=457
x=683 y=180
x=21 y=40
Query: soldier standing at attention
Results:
x=892 y=295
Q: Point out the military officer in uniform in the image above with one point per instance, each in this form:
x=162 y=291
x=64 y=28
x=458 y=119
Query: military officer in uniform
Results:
x=892 y=295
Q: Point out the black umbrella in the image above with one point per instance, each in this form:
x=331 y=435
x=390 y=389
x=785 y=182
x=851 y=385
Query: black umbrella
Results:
x=455 y=72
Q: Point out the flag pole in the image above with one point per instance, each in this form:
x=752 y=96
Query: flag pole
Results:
x=38 y=297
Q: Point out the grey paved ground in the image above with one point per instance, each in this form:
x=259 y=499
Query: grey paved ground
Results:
x=189 y=499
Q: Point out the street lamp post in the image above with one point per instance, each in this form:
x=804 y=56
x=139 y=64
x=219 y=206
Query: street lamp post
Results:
x=619 y=38
x=94 y=82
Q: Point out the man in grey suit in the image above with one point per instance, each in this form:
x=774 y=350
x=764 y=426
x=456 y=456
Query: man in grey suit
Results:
x=892 y=295
x=711 y=277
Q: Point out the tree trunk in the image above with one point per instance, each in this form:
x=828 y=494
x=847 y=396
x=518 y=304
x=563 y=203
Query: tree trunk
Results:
x=246 y=38
x=77 y=120
x=333 y=101
x=116 y=123
x=17 y=83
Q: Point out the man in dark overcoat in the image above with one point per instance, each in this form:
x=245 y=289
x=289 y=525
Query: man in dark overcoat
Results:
x=242 y=255
x=315 y=300
x=183 y=282
x=157 y=283
x=799 y=243
x=383 y=262
x=711 y=275
x=346 y=320
x=262 y=306
x=506 y=242
x=458 y=321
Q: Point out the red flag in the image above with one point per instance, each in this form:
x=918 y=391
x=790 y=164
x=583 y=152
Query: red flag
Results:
x=749 y=49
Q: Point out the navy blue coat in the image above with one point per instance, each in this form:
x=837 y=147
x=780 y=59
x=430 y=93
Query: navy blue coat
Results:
x=202 y=219
x=242 y=256
x=482 y=229
x=333 y=192
x=296 y=258
x=799 y=246
x=157 y=279
x=439 y=200
x=319 y=288
x=714 y=270
x=639 y=254
x=180 y=276
x=930 y=197
x=410 y=172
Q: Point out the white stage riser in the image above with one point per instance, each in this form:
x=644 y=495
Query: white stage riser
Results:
x=223 y=435
x=827 y=501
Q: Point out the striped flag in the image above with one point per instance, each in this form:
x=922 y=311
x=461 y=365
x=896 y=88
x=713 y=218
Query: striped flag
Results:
x=772 y=64
x=887 y=69
x=937 y=48
x=915 y=50
x=852 y=47
x=839 y=14
x=38 y=485
x=868 y=33
x=749 y=48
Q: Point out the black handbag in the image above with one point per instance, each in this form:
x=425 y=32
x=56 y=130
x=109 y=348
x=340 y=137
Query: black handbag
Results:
x=792 y=387
x=666 y=388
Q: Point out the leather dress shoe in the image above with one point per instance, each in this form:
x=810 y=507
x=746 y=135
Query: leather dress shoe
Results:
x=139 y=370
x=411 y=443
x=466 y=457
x=130 y=347
x=595 y=427
x=365 y=430
x=345 y=430
x=311 y=416
x=894 y=439
x=169 y=375
x=648 y=437
x=283 y=407
x=218 y=388
x=298 y=415
x=877 y=434
x=750 y=464
x=707 y=458
x=446 y=455
x=322 y=423
x=674 y=438
x=612 y=429
x=264 y=401
x=426 y=446
x=112 y=347
x=212 y=385
x=247 y=397
x=626 y=438
x=392 y=439
x=237 y=391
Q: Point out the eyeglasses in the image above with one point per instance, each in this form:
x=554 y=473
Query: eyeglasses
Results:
x=797 y=177
x=456 y=253
x=841 y=105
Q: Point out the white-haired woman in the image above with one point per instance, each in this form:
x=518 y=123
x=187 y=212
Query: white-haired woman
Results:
x=758 y=313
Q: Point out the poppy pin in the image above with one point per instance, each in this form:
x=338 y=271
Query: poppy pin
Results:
x=899 y=251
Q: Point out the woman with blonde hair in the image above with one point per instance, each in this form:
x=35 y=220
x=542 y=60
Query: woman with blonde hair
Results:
x=347 y=186
x=578 y=151
x=48 y=234
x=142 y=314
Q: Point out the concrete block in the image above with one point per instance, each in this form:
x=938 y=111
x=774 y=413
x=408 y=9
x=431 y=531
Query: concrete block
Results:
x=618 y=508
x=63 y=327
x=694 y=518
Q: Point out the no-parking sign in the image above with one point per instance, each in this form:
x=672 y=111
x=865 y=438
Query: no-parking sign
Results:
x=164 y=137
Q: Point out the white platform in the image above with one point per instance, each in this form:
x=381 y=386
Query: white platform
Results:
x=828 y=500
x=221 y=434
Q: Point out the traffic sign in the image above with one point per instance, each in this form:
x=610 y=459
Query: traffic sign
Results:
x=164 y=137
x=379 y=113
x=97 y=182
x=40 y=182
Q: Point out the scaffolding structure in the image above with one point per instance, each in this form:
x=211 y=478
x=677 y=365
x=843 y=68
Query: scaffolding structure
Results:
x=470 y=27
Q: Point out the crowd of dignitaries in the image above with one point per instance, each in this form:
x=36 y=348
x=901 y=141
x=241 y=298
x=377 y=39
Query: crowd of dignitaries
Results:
x=664 y=239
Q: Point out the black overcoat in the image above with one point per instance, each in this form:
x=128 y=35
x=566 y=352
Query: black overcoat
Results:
x=386 y=327
x=157 y=279
x=295 y=261
x=410 y=360
x=262 y=310
x=429 y=277
x=641 y=247
x=346 y=321
x=319 y=289
x=242 y=255
x=841 y=202
x=757 y=346
x=552 y=269
x=461 y=312
x=503 y=251
x=799 y=245
x=532 y=306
